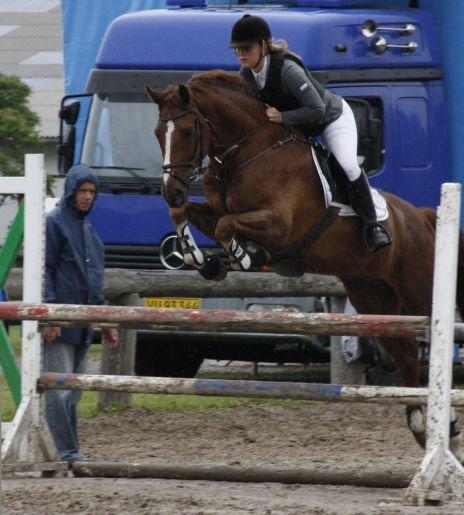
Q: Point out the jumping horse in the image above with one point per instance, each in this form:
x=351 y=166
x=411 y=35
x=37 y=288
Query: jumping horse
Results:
x=264 y=205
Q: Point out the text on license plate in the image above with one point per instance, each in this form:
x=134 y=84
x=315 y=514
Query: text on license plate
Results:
x=172 y=302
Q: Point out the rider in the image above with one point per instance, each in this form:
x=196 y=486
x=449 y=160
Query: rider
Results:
x=296 y=99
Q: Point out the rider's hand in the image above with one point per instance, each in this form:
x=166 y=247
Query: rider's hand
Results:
x=273 y=115
x=51 y=333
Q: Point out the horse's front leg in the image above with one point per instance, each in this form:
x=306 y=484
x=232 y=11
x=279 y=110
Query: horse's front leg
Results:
x=262 y=227
x=203 y=217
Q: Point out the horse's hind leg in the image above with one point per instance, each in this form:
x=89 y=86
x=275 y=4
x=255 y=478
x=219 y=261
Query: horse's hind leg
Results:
x=371 y=296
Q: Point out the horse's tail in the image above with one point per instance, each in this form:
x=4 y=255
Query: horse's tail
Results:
x=431 y=216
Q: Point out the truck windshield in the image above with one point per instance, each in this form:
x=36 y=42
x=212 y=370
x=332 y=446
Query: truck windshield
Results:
x=119 y=142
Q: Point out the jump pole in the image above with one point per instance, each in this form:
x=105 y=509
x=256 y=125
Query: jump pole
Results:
x=241 y=388
x=218 y=320
x=263 y=474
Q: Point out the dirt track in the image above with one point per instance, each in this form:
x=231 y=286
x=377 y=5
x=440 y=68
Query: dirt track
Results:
x=326 y=436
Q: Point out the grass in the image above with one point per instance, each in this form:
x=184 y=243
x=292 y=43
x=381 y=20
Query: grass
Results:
x=14 y=333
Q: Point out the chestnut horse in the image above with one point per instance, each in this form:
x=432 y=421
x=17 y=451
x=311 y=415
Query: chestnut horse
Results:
x=264 y=204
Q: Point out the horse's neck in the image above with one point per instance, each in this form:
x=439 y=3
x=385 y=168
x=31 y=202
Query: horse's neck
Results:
x=230 y=120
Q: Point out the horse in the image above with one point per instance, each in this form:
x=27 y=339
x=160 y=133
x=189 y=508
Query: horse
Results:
x=264 y=205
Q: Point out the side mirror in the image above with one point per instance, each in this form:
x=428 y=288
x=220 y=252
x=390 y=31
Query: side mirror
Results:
x=66 y=150
x=70 y=113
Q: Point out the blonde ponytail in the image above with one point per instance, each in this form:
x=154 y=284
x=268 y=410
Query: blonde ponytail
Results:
x=274 y=46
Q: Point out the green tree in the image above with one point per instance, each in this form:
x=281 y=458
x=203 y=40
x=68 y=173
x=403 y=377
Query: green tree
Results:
x=19 y=133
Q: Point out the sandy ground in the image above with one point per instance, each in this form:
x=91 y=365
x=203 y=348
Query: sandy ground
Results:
x=316 y=435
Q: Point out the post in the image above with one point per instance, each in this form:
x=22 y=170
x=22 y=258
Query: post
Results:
x=22 y=441
x=120 y=360
x=342 y=372
x=441 y=473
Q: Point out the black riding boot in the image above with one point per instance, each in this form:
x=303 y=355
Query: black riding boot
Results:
x=375 y=235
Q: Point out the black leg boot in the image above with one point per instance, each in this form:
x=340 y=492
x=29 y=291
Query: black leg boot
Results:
x=375 y=235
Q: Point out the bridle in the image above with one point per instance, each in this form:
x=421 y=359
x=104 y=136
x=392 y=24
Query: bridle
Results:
x=219 y=162
x=195 y=164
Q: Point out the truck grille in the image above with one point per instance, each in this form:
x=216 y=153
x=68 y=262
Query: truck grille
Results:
x=142 y=257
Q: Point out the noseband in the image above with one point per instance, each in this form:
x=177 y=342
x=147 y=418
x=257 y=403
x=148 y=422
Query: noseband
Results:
x=197 y=169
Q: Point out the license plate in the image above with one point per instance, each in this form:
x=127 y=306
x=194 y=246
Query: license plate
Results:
x=172 y=302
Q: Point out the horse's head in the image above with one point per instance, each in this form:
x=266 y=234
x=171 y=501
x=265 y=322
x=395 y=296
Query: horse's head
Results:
x=184 y=139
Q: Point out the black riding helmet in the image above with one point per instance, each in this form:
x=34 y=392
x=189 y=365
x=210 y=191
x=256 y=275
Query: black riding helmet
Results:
x=249 y=29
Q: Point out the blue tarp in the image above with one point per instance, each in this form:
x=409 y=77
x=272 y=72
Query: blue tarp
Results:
x=84 y=24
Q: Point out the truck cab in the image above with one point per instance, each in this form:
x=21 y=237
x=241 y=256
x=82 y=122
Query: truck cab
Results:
x=384 y=61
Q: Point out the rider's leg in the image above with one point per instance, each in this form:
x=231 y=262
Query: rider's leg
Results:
x=341 y=138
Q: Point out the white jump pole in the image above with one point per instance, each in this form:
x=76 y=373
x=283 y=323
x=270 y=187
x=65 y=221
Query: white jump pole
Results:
x=441 y=475
x=21 y=441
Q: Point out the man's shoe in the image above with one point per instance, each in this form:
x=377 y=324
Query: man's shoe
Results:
x=77 y=458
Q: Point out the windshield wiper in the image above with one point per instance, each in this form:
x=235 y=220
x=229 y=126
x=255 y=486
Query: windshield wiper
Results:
x=130 y=170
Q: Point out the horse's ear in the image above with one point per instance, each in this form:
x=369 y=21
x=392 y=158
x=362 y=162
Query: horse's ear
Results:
x=156 y=96
x=184 y=94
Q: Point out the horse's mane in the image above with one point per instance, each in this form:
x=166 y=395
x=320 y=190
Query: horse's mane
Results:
x=221 y=79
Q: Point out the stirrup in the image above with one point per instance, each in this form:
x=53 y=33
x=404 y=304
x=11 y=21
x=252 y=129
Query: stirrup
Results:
x=376 y=237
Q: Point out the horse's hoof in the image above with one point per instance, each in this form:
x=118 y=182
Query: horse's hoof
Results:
x=213 y=269
x=416 y=423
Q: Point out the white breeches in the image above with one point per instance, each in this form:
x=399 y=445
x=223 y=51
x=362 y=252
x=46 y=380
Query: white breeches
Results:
x=341 y=138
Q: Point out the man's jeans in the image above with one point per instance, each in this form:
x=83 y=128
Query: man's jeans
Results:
x=60 y=405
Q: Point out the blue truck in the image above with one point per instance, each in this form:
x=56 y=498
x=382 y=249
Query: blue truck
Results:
x=385 y=61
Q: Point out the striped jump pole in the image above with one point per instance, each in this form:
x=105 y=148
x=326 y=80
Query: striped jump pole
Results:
x=241 y=388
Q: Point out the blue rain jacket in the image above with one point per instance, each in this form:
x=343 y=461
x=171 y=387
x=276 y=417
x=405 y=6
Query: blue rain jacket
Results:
x=75 y=260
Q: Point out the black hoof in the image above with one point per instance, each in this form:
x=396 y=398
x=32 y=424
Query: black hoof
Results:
x=213 y=269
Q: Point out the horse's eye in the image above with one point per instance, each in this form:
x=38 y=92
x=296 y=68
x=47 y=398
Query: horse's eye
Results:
x=187 y=133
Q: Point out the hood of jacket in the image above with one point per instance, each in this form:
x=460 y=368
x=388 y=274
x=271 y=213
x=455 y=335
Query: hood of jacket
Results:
x=77 y=175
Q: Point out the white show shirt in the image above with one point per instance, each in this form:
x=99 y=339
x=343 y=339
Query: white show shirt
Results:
x=261 y=76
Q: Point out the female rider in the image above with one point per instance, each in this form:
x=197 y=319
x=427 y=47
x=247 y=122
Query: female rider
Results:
x=298 y=100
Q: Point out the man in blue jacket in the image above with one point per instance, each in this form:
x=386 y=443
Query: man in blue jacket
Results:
x=74 y=268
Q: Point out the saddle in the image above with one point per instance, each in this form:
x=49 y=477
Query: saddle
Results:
x=336 y=185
